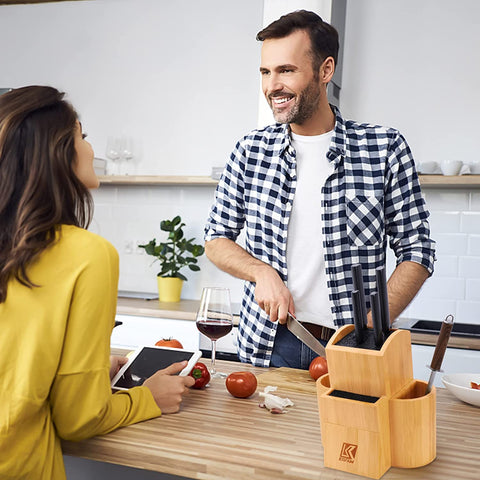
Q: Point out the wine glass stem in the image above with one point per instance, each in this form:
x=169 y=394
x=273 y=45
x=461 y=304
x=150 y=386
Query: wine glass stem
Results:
x=214 y=347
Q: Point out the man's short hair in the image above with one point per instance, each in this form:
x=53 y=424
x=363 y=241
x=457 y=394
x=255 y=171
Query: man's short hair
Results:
x=323 y=37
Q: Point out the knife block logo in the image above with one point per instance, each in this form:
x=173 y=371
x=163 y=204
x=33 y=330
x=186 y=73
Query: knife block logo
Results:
x=348 y=452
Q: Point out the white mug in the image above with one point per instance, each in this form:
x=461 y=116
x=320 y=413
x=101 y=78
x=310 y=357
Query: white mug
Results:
x=451 y=167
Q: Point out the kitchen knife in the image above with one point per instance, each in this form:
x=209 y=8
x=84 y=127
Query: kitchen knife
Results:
x=304 y=335
x=440 y=348
x=381 y=278
x=357 y=277
x=358 y=316
x=376 y=319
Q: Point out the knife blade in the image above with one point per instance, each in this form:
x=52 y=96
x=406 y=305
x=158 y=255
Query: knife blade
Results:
x=304 y=335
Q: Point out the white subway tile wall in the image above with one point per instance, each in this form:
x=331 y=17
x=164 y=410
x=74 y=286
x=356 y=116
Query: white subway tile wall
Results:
x=131 y=215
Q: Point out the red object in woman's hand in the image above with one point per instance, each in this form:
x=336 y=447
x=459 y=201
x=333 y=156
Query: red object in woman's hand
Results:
x=201 y=375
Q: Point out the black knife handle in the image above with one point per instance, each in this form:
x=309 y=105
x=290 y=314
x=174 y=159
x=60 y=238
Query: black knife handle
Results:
x=442 y=341
x=381 y=278
x=357 y=277
x=357 y=316
x=376 y=319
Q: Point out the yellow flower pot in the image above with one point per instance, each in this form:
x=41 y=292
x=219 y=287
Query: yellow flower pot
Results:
x=169 y=289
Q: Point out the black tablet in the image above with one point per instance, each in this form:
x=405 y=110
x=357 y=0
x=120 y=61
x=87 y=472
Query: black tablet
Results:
x=145 y=361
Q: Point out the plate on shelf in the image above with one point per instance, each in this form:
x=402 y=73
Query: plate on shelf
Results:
x=459 y=385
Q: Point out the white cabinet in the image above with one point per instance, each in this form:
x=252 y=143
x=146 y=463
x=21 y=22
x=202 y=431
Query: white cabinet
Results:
x=138 y=330
x=456 y=360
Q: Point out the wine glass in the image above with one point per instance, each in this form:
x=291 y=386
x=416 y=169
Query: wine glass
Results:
x=126 y=153
x=113 y=154
x=215 y=319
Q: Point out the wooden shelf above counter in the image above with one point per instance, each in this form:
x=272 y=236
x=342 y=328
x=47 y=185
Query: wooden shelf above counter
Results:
x=156 y=180
x=454 y=181
x=427 y=181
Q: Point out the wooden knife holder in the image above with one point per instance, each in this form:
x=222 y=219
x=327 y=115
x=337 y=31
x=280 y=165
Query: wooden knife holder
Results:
x=386 y=418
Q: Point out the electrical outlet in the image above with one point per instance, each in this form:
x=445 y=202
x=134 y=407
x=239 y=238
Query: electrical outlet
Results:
x=128 y=247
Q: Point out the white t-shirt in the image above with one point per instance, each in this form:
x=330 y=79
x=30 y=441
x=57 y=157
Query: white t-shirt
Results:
x=307 y=279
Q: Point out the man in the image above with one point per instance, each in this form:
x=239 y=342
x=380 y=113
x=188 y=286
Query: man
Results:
x=316 y=194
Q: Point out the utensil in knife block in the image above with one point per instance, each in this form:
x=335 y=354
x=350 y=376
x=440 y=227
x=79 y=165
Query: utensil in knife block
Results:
x=370 y=372
x=373 y=413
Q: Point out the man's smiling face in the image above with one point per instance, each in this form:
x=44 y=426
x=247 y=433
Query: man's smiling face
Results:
x=288 y=82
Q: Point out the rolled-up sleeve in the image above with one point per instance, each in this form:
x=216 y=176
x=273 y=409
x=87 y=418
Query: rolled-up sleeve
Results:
x=227 y=215
x=406 y=214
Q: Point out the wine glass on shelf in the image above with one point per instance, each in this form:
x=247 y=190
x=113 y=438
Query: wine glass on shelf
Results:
x=126 y=153
x=215 y=319
x=113 y=154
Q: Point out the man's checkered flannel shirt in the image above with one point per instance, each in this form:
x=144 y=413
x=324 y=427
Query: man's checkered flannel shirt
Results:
x=373 y=193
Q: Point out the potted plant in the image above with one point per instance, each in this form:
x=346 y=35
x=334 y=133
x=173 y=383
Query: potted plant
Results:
x=174 y=254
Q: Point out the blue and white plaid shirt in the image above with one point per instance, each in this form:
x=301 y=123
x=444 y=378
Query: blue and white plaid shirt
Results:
x=372 y=193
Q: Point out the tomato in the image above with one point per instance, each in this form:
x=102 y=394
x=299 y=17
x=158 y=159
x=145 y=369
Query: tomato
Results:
x=201 y=375
x=169 y=342
x=475 y=386
x=241 y=384
x=318 y=367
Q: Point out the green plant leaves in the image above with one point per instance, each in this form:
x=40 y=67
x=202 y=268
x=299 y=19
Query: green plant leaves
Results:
x=177 y=252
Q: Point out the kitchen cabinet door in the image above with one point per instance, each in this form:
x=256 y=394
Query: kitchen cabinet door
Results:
x=137 y=330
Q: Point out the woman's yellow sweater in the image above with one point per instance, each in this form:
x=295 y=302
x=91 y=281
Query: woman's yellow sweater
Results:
x=54 y=357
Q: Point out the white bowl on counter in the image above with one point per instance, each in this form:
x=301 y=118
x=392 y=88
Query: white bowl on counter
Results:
x=459 y=385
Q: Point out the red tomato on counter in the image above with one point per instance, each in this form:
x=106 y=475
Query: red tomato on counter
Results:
x=241 y=384
x=169 y=342
x=201 y=375
x=318 y=367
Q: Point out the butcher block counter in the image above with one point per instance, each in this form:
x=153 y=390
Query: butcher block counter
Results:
x=216 y=436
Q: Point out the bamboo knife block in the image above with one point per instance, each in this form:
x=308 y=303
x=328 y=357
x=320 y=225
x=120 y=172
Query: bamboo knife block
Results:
x=373 y=413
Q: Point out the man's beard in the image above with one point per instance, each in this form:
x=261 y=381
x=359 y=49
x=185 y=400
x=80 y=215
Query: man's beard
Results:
x=305 y=106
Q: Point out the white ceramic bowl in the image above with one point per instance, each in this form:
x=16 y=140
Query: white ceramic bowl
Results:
x=428 y=168
x=451 y=167
x=459 y=385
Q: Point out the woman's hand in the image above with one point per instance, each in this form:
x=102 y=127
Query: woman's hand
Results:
x=168 y=388
x=116 y=363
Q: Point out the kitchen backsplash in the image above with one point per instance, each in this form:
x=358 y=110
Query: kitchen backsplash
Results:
x=130 y=215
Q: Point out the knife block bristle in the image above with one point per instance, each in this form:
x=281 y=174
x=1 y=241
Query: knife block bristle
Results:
x=395 y=428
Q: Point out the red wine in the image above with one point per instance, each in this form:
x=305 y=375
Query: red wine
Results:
x=214 y=329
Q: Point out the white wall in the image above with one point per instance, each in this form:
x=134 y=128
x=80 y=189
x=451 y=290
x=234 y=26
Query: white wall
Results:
x=408 y=64
x=174 y=75
x=414 y=65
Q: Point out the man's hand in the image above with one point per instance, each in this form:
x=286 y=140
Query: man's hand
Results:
x=168 y=388
x=272 y=295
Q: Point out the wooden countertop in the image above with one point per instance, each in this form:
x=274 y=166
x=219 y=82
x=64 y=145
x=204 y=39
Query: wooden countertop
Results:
x=187 y=309
x=216 y=436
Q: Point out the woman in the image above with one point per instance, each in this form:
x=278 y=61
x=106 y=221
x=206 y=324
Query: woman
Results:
x=58 y=289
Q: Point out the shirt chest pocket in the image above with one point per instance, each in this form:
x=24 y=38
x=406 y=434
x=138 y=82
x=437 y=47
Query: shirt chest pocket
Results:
x=365 y=220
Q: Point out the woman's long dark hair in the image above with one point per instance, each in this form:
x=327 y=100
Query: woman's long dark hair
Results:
x=38 y=187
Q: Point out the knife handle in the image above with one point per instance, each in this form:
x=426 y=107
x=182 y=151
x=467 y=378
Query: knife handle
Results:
x=357 y=316
x=381 y=279
x=442 y=341
x=357 y=277
x=376 y=319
